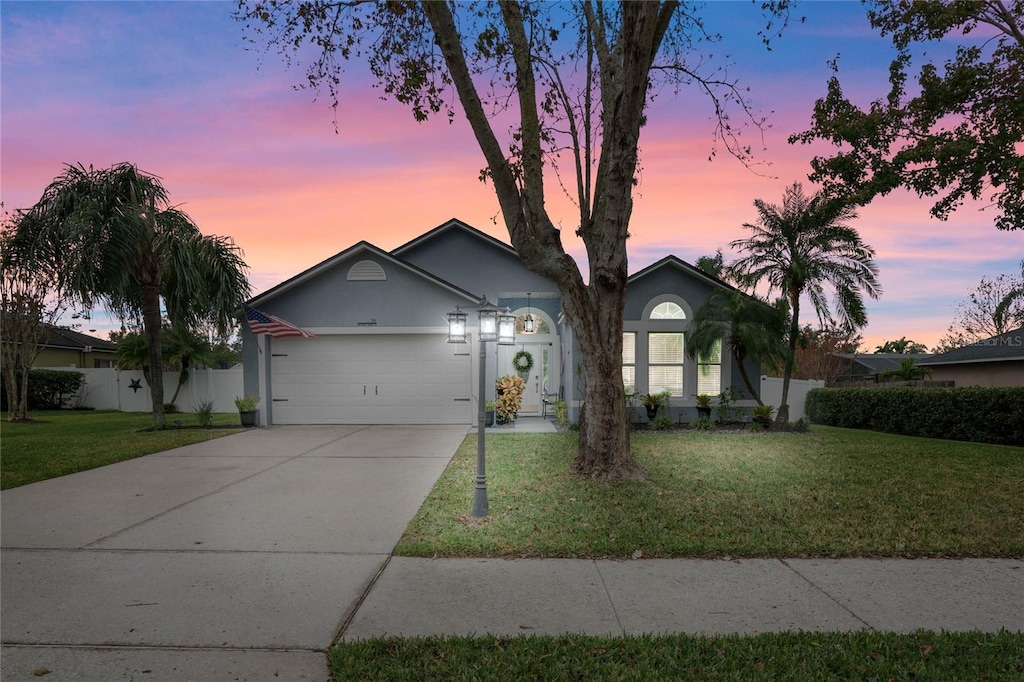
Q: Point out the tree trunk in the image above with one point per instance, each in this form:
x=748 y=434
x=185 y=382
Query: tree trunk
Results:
x=746 y=379
x=152 y=323
x=22 y=412
x=604 y=447
x=12 y=386
x=182 y=379
x=794 y=330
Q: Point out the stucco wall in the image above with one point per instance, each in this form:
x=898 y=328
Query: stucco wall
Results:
x=67 y=357
x=1007 y=373
x=329 y=301
x=473 y=264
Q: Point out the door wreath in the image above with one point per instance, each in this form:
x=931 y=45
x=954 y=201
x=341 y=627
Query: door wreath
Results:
x=523 y=362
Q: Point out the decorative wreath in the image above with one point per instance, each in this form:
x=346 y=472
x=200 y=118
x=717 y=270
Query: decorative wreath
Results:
x=523 y=362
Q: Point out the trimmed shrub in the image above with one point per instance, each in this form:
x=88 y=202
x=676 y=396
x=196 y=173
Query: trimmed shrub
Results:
x=978 y=414
x=49 y=389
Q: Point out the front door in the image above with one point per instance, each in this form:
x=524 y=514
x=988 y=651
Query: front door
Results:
x=542 y=378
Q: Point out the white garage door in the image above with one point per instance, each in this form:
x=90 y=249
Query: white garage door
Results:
x=370 y=379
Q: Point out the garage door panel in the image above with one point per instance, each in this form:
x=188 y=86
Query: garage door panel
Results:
x=369 y=379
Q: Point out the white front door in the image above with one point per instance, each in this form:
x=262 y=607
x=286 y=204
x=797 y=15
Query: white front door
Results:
x=542 y=378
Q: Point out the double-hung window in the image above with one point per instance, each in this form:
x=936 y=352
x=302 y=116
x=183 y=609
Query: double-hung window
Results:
x=629 y=361
x=709 y=371
x=665 y=362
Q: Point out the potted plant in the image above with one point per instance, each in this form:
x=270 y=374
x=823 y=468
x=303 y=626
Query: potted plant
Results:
x=653 y=401
x=704 y=405
x=763 y=415
x=510 y=396
x=247 y=409
x=489 y=413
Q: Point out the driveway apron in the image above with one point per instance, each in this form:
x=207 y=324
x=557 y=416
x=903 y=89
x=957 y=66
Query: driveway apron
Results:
x=243 y=555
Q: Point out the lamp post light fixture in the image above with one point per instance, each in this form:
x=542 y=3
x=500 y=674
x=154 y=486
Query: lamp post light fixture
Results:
x=457 y=326
x=528 y=324
x=506 y=329
x=494 y=325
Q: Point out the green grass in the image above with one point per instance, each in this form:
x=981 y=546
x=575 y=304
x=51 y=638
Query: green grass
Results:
x=797 y=656
x=63 y=442
x=828 y=493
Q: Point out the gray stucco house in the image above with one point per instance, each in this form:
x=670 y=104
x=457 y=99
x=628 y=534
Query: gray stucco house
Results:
x=381 y=356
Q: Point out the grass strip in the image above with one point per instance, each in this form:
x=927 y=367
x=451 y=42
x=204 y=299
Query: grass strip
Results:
x=63 y=442
x=828 y=493
x=794 y=656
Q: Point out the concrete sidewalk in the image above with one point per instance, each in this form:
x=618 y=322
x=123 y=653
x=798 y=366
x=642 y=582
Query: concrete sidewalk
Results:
x=419 y=597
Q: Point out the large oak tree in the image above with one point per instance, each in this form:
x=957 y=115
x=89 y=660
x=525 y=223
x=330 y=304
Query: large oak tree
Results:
x=571 y=82
x=955 y=133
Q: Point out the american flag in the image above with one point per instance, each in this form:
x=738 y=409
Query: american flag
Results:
x=262 y=323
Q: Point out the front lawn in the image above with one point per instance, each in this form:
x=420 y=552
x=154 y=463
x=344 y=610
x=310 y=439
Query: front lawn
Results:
x=63 y=442
x=828 y=493
x=797 y=656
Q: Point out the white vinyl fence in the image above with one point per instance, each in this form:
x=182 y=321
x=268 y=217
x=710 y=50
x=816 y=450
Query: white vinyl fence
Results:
x=771 y=394
x=127 y=390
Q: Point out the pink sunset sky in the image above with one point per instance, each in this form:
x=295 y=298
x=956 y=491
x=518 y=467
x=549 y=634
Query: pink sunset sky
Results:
x=170 y=87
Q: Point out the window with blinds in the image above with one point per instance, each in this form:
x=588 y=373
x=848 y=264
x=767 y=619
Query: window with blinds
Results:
x=629 y=361
x=709 y=372
x=665 y=351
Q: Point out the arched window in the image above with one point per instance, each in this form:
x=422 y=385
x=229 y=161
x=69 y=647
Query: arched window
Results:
x=540 y=325
x=668 y=311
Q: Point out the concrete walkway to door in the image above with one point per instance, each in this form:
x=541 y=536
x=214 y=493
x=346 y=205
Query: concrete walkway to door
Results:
x=237 y=558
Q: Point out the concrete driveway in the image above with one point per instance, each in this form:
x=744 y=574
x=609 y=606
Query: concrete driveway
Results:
x=238 y=558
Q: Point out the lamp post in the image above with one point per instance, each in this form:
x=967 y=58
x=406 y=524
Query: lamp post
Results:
x=494 y=325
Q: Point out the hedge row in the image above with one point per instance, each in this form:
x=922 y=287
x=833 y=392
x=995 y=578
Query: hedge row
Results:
x=982 y=415
x=48 y=389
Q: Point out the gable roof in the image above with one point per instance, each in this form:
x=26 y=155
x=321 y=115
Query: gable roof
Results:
x=875 y=363
x=1001 y=348
x=345 y=255
x=60 y=337
x=454 y=224
x=687 y=268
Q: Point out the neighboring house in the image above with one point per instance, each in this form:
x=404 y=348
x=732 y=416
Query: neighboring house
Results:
x=381 y=356
x=67 y=348
x=996 y=361
x=868 y=366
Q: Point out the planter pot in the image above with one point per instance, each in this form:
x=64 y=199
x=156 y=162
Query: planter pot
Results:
x=248 y=418
x=652 y=412
x=489 y=418
x=763 y=421
x=704 y=412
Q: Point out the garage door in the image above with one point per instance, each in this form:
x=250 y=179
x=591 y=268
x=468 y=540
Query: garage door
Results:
x=370 y=379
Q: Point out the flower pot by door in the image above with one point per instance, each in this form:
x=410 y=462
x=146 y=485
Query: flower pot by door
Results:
x=489 y=418
x=704 y=412
x=248 y=418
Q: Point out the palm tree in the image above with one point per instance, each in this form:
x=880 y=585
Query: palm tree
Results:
x=907 y=371
x=903 y=345
x=186 y=348
x=110 y=235
x=745 y=325
x=178 y=345
x=798 y=249
x=133 y=353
